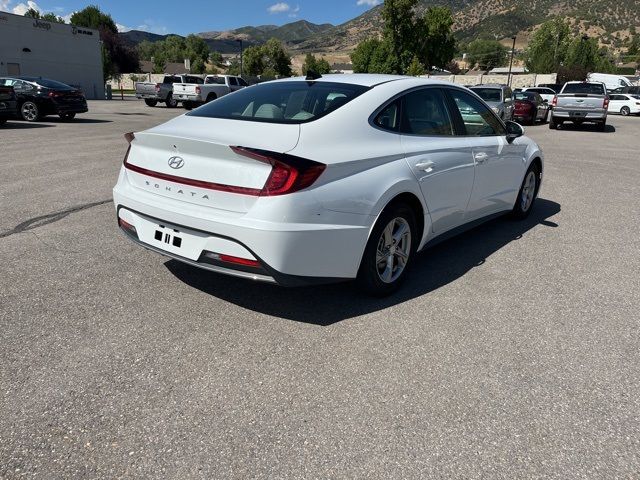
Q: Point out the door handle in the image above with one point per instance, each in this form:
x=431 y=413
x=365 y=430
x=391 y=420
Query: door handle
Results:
x=480 y=157
x=425 y=166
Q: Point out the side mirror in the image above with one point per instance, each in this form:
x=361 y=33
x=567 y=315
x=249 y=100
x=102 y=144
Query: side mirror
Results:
x=514 y=130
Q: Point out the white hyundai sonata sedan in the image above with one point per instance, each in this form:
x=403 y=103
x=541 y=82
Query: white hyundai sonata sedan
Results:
x=340 y=177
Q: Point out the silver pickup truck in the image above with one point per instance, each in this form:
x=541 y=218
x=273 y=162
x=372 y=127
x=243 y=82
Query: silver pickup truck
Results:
x=580 y=102
x=154 y=93
x=214 y=86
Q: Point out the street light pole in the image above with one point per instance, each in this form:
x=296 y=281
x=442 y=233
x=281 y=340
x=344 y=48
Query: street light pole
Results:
x=513 y=49
x=240 y=41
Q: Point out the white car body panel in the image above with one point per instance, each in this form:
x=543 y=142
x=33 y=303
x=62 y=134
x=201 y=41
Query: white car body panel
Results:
x=321 y=231
x=631 y=102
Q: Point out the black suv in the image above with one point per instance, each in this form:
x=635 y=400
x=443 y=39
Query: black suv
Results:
x=8 y=104
x=38 y=97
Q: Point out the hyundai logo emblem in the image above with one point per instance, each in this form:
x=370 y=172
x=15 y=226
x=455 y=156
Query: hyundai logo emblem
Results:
x=176 y=162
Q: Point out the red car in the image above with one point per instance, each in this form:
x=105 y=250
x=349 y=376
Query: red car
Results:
x=530 y=107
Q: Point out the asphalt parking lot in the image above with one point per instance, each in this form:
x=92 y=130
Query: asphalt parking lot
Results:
x=513 y=351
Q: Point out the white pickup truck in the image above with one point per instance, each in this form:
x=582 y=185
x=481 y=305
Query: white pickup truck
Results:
x=215 y=86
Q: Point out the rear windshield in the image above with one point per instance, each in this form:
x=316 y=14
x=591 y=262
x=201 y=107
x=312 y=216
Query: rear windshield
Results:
x=281 y=102
x=172 y=80
x=524 y=96
x=216 y=80
x=489 y=94
x=592 y=88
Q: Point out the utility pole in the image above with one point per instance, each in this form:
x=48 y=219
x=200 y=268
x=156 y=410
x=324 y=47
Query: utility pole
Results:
x=240 y=41
x=513 y=49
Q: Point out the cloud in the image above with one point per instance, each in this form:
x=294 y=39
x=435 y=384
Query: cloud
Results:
x=122 y=28
x=369 y=3
x=151 y=26
x=279 y=8
x=4 y=5
x=22 y=8
x=294 y=12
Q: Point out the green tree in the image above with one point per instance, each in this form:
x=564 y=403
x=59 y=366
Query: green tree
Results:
x=52 y=17
x=252 y=61
x=438 y=45
x=216 y=59
x=583 y=51
x=277 y=58
x=547 y=48
x=415 y=68
x=362 y=56
x=486 y=53
x=32 y=12
x=311 y=63
x=117 y=58
x=401 y=31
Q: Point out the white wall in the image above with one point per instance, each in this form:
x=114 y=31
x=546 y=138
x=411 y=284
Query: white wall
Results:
x=61 y=52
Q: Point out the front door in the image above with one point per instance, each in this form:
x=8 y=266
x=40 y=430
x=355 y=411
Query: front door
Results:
x=498 y=164
x=441 y=162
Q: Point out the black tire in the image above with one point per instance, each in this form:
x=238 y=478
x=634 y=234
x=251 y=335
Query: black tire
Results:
x=30 y=111
x=522 y=207
x=552 y=123
x=170 y=102
x=211 y=97
x=187 y=105
x=369 y=276
x=3 y=121
x=150 y=103
x=67 y=116
x=625 y=111
x=603 y=126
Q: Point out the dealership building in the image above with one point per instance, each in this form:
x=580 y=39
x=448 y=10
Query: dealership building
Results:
x=69 y=54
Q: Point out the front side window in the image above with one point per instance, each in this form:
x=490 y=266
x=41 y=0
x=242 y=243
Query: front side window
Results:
x=233 y=82
x=282 y=102
x=242 y=82
x=424 y=112
x=478 y=120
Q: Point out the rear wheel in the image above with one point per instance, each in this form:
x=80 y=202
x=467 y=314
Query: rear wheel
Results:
x=625 y=111
x=187 y=105
x=151 y=103
x=3 y=121
x=552 y=123
x=170 y=102
x=67 y=116
x=389 y=251
x=528 y=193
x=211 y=97
x=603 y=126
x=30 y=112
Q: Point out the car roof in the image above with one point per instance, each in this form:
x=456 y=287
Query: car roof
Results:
x=365 y=79
x=489 y=85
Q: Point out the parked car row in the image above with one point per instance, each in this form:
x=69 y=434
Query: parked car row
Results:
x=190 y=90
x=36 y=97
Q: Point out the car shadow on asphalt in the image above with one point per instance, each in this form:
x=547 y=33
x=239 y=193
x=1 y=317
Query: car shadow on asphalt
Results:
x=75 y=120
x=12 y=125
x=587 y=127
x=328 y=304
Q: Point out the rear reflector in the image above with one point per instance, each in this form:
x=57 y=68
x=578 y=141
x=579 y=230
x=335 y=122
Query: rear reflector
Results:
x=127 y=227
x=245 y=262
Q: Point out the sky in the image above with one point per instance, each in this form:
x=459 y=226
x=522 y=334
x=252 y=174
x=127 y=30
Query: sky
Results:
x=161 y=16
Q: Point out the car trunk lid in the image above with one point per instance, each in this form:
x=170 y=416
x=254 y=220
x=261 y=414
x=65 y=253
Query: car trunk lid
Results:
x=190 y=159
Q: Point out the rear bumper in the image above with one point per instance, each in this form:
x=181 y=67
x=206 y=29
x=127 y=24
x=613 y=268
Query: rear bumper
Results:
x=182 y=97
x=147 y=96
x=585 y=116
x=288 y=254
x=71 y=108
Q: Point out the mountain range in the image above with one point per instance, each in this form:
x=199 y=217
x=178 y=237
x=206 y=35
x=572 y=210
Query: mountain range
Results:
x=610 y=20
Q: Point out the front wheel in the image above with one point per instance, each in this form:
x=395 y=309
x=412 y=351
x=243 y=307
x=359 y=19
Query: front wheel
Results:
x=151 y=103
x=527 y=194
x=67 y=116
x=30 y=112
x=3 y=121
x=389 y=251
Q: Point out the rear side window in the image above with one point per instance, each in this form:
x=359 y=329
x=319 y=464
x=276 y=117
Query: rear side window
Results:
x=242 y=82
x=282 y=102
x=45 y=82
x=585 y=88
x=424 y=113
x=233 y=81
x=214 y=80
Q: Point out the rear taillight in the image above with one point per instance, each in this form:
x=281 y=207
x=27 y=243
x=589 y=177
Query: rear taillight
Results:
x=554 y=102
x=289 y=174
x=55 y=94
x=198 y=90
x=129 y=136
x=157 y=87
x=605 y=104
x=127 y=227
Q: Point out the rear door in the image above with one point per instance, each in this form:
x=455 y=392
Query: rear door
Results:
x=441 y=162
x=498 y=164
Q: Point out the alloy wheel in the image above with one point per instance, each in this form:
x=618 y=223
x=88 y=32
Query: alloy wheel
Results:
x=625 y=111
x=528 y=191
x=29 y=111
x=393 y=250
